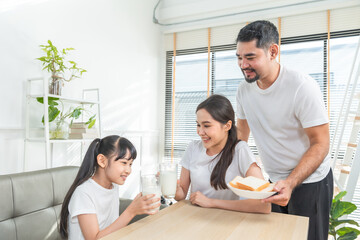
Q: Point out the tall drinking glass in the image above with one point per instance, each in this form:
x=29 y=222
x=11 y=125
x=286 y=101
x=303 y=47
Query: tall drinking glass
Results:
x=150 y=184
x=168 y=180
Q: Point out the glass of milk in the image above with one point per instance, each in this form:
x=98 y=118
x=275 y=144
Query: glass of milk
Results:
x=150 y=184
x=168 y=179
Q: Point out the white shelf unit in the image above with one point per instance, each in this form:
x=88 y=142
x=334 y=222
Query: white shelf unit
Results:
x=49 y=143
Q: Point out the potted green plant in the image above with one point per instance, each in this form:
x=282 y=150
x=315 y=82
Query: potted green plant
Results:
x=54 y=62
x=58 y=125
x=339 y=209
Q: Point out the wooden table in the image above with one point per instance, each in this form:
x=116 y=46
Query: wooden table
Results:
x=186 y=221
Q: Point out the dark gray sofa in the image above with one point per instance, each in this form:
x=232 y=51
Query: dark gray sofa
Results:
x=30 y=203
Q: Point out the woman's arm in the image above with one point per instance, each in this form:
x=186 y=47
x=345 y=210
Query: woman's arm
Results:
x=183 y=185
x=255 y=171
x=246 y=205
x=140 y=205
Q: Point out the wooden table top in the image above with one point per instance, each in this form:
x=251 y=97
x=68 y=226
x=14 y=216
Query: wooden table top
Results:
x=186 y=221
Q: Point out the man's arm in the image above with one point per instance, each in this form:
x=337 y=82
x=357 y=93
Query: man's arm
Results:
x=243 y=130
x=319 y=147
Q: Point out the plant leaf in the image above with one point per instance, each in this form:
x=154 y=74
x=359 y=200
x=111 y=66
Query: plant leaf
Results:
x=336 y=223
x=51 y=100
x=90 y=119
x=76 y=113
x=40 y=99
x=342 y=231
x=343 y=208
x=91 y=124
x=339 y=196
x=348 y=236
x=53 y=113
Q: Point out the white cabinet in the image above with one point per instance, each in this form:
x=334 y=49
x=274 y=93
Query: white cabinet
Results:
x=32 y=94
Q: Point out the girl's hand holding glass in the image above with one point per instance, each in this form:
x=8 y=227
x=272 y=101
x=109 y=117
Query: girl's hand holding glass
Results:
x=144 y=204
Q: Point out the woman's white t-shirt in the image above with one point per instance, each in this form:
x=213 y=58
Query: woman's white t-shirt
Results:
x=91 y=198
x=201 y=166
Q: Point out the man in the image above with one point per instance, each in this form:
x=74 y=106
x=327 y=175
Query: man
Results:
x=285 y=112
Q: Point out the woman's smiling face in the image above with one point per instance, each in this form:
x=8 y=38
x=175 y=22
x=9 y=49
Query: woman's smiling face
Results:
x=213 y=133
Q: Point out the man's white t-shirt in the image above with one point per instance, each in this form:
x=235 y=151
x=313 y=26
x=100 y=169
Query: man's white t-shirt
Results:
x=91 y=198
x=201 y=166
x=277 y=117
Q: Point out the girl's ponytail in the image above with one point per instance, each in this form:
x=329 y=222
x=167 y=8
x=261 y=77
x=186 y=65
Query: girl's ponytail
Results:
x=87 y=169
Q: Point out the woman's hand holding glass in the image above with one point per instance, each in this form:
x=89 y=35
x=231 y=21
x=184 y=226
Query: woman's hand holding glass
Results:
x=168 y=179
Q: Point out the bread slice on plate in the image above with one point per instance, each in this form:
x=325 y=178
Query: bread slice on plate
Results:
x=249 y=183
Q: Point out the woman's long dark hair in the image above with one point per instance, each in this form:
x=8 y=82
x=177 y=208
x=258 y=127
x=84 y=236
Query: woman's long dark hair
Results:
x=110 y=146
x=220 y=109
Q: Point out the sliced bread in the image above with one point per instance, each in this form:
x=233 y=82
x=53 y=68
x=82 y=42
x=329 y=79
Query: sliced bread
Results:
x=249 y=183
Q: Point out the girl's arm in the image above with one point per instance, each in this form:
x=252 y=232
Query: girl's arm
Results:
x=246 y=205
x=140 y=205
x=183 y=185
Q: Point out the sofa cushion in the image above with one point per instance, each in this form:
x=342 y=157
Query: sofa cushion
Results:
x=57 y=209
x=6 y=198
x=37 y=225
x=8 y=229
x=32 y=191
x=62 y=179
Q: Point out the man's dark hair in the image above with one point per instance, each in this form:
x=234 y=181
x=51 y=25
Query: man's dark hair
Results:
x=264 y=32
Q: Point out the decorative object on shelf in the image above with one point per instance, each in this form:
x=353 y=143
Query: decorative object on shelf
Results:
x=339 y=209
x=61 y=70
x=59 y=129
x=58 y=126
x=80 y=130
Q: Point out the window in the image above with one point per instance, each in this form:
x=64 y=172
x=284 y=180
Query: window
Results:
x=304 y=53
x=308 y=56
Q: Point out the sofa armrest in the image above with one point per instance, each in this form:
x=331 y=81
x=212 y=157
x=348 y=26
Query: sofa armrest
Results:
x=125 y=202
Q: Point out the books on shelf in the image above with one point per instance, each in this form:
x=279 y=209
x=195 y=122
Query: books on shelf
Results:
x=83 y=130
x=78 y=125
x=83 y=136
x=80 y=131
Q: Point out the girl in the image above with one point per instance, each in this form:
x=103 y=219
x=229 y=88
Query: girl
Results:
x=91 y=207
x=215 y=160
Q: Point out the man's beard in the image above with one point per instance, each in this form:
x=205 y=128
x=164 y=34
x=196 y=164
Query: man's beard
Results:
x=250 y=80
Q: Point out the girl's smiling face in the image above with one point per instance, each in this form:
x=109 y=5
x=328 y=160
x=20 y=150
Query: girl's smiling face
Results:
x=213 y=133
x=117 y=171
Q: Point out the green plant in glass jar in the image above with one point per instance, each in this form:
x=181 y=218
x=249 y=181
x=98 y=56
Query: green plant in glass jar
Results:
x=58 y=119
x=55 y=63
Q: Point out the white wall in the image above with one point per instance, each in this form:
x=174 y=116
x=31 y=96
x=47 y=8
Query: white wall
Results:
x=115 y=41
x=186 y=15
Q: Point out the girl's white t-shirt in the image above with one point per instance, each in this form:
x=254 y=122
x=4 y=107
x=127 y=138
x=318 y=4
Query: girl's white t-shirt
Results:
x=201 y=166
x=91 y=198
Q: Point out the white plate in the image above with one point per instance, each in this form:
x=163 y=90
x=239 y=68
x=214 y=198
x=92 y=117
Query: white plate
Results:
x=265 y=193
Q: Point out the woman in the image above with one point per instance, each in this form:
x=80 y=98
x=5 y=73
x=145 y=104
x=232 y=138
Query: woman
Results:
x=213 y=161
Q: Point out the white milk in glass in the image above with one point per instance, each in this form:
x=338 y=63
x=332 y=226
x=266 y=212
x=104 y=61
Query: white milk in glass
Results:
x=168 y=181
x=152 y=190
x=150 y=185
